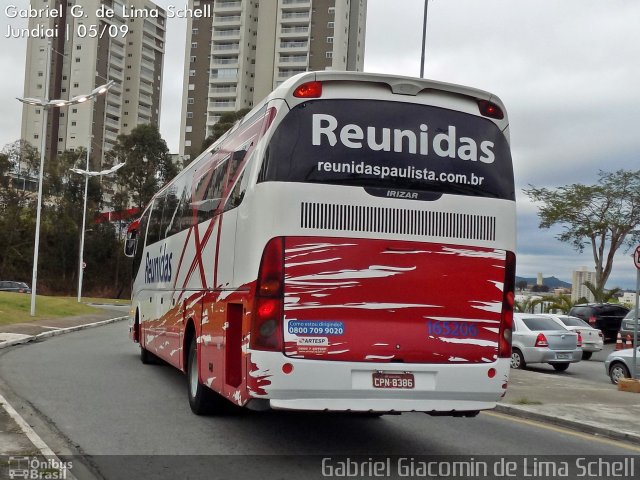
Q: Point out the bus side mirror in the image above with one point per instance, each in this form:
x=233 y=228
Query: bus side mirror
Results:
x=130 y=245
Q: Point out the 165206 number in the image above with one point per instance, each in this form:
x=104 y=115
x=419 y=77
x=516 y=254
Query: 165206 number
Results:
x=452 y=329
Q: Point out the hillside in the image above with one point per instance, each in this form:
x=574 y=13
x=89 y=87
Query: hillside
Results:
x=551 y=282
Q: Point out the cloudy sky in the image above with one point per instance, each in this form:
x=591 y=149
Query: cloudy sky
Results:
x=567 y=70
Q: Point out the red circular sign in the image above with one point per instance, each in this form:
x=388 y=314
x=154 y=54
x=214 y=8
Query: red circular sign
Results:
x=636 y=257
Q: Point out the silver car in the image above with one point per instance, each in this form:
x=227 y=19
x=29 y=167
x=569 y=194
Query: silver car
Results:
x=592 y=338
x=539 y=339
x=618 y=364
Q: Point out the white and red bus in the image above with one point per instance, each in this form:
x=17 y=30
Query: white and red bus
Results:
x=347 y=246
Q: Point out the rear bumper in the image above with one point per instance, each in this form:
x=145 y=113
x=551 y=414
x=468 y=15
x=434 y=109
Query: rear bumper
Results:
x=348 y=386
x=545 y=355
x=591 y=347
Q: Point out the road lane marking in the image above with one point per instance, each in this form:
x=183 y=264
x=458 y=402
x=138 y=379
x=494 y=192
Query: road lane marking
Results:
x=564 y=431
x=32 y=435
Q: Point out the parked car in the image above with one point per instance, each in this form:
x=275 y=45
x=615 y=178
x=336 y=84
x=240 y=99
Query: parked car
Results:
x=606 y=317
x=11 y=286
x=618 y=364
x=627 y=327
x=592 y=338
x=539 y=339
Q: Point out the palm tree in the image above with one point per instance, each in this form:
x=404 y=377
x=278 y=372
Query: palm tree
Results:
x=528 y=305
x=600 y=295
x=559 y=302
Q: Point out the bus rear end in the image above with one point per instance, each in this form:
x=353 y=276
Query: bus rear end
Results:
x=385 y=210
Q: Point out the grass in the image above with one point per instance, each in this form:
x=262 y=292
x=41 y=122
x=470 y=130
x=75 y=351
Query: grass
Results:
x=526 y=401
x=16 y=307
x=104 y=301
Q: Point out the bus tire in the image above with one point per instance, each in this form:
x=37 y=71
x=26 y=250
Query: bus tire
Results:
x=202 y=400
x=146 y=357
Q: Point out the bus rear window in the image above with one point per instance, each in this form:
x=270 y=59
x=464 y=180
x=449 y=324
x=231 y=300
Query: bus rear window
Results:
x=373 y=143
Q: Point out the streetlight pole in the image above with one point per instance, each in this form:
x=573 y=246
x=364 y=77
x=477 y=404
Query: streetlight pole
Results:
x=43 y=147
x=98 y=91
x=424 y=37
x=84 y=221
x=87 y=174
x=45 y=104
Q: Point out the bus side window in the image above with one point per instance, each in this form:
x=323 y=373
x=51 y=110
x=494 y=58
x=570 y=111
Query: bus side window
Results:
x=184 y=215
x=155 y=221
x=237 y=194
x=171 y=216
x=209 y=196
x=236 y=161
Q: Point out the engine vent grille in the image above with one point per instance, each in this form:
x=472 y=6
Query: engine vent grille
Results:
x=354 y=218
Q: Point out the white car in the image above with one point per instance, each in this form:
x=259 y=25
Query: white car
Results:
x=618 y=364
x=592 y=338
x=539 y=339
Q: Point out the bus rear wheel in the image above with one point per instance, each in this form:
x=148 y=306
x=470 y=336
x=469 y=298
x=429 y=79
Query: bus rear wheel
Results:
x=148 y=358
x=202 y=400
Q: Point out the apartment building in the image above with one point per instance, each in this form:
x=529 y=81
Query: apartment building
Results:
x=578 y=290
x=88 y=50
x=243 y=49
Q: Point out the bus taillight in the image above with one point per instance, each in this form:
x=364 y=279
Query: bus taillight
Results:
x=508 y=302
x=266 y=323
x=491 y=110
x=309 y=90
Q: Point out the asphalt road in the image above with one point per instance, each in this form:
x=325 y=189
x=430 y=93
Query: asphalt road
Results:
x=591 y=370
x=91 y=387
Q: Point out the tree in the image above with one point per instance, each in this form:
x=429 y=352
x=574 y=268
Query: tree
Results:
x=528 y=304
x=23 y=157
x=60 y=225
x=559 y=302
x=21 y=160
x=600 y=295
x=227 y=120
x=540 y=288
x=19 y=164
x=605 y=215
x=5 y=169
x=147 y=163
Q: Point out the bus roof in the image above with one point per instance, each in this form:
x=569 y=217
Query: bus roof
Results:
x=399 y=85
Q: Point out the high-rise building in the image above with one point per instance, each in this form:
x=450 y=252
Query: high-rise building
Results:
x=240 y=50
x=89 y=49
x=578 y=290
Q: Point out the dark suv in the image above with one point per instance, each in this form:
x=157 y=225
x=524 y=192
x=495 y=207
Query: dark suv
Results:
x=603 y=316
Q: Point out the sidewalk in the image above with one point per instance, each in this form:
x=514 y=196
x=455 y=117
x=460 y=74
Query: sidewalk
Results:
x=591 y=407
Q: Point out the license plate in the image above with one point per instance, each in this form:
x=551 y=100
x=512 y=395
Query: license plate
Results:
x=393 y=380
x=563 y=356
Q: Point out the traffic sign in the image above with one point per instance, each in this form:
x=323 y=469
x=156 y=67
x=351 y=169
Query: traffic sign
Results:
x=636 y=257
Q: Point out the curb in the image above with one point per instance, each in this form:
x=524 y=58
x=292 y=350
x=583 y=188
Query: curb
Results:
x=600 y=430
x=61 y=331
